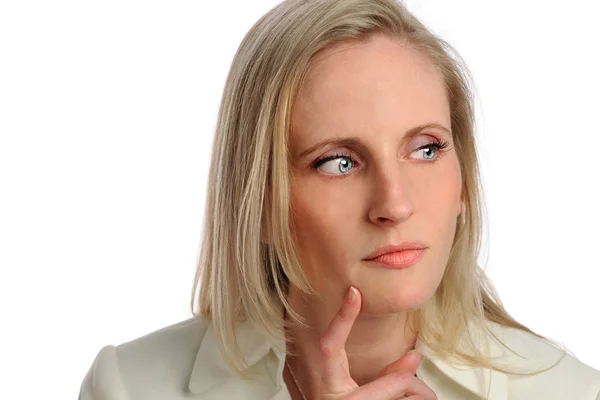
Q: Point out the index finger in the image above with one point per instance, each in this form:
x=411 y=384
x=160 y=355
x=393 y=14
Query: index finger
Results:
x=336 y=373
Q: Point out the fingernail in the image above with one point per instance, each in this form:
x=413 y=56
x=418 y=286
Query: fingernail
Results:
x=352 y=294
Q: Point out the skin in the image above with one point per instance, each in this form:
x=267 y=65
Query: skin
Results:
x=374 y=92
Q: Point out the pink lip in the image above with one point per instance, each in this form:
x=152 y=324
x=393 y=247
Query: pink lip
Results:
x=393 y=248
x=400 y=255
x=399 y=259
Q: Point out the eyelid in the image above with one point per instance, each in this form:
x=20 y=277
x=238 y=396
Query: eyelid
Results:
x=332 y=155
x=428 y=139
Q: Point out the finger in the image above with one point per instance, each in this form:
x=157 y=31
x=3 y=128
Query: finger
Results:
x=409 y=363
x=394 y=386
x=336 y=374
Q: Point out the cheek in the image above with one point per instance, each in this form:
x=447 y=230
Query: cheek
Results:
x=309 y=215
x=322 y=225
x=318 y=208
x=443 y=207
x=443 y=192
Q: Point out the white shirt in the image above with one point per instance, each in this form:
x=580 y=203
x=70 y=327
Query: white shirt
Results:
x=183 y=361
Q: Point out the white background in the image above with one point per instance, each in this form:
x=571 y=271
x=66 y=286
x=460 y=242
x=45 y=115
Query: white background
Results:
x=107 y=110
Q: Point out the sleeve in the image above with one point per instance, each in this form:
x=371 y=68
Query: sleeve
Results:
x=103 y=380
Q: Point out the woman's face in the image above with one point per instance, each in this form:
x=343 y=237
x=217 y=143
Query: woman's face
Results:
x=375 y=188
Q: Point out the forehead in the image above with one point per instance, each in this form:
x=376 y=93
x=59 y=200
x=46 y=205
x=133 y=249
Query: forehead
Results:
x=381 y=84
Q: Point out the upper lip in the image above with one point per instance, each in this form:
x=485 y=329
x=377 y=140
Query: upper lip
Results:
x=392 y=248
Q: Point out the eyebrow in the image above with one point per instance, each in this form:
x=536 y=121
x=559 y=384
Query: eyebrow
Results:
x=353 y=141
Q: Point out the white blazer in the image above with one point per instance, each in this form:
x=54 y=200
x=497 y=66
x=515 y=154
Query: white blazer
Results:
x=183 y=361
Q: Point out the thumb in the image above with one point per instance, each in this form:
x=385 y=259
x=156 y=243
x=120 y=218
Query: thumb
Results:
x=408 y=362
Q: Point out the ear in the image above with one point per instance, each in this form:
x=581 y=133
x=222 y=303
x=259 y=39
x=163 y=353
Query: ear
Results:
x=461 y=205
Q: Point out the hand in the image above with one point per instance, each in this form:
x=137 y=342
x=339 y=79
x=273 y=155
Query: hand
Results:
x=396 y=381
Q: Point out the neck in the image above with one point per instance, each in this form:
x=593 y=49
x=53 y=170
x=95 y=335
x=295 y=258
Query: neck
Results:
x=374 y=341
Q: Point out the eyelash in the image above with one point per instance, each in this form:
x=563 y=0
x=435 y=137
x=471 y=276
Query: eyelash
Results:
x=440 y=147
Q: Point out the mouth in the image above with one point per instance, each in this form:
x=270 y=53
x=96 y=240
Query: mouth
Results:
x=397 y=256
x=398 y=259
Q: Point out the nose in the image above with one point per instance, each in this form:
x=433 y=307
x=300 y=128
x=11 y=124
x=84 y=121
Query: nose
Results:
x=391 y=201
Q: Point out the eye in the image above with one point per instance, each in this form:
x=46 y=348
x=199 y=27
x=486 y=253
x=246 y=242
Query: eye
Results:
x=433 y=148
x=338 y=164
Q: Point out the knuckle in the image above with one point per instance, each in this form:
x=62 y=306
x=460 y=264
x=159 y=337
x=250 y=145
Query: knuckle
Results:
x=343 y=313
x=403 y=375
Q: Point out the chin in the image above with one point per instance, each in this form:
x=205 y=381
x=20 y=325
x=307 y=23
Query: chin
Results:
x=379 y=302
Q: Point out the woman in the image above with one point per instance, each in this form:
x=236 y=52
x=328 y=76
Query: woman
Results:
x=342 y=230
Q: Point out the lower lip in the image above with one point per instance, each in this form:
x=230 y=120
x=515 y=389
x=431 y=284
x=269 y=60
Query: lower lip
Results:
x=399 y=259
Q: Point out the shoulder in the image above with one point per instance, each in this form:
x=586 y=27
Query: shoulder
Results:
x=567 y=377
x=156 y=365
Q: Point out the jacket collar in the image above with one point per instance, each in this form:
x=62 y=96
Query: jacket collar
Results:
x=210 y=370
x=483 y=383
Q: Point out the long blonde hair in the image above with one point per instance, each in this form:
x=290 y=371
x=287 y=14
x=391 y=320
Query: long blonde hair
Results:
x=241 y=276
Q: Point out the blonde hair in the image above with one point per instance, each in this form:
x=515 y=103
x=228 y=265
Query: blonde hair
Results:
x=240 y=276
